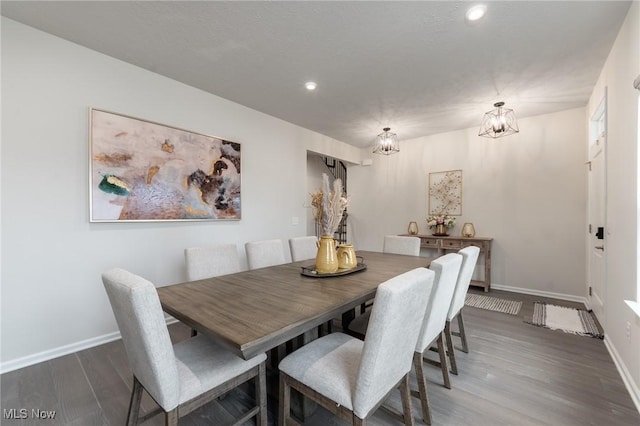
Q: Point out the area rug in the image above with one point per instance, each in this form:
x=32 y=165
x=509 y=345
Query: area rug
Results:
x=490 y=303
x=569 y=320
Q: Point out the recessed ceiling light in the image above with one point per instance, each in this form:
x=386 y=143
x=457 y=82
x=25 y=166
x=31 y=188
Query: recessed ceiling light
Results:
x=310 y=85
x=476 y=12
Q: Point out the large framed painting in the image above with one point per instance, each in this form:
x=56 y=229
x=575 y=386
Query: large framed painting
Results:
x=145 y=171
x=445 y=193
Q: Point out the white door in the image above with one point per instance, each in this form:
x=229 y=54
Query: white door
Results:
x=597 y=219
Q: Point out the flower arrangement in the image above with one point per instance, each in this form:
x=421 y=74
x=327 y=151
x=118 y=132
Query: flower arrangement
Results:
x=442 y=219
x=329 y=205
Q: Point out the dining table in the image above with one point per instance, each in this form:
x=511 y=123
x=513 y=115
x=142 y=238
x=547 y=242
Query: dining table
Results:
x=251 y=312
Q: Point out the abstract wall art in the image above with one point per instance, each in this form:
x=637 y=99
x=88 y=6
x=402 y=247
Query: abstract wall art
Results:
x=445 y=193
x=145 y=171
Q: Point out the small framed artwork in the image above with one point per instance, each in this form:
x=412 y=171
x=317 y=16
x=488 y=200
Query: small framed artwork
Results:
x=445 y=193
x=145 y=171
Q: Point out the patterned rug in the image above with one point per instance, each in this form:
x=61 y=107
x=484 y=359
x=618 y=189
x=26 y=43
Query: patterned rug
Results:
x=569 y=320
x=490 y=303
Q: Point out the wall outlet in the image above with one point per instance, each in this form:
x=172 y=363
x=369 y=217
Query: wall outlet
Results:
x=295 y=220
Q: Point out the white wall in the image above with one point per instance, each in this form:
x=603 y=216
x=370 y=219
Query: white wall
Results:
x=52 y=296
x=527 y=191
x=618 y=74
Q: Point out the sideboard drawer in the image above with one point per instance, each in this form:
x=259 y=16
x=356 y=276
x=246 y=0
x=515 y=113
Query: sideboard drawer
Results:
x=468 y=243
x=429 y=243
x=451 y=244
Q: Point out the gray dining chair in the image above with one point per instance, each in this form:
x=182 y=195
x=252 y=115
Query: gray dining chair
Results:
x=447 y=269
x=180 y=377
x=261 y=254
x=352 y=378
x=303 y=248
x=398 y=244
x=469 y=259
x=211 y=261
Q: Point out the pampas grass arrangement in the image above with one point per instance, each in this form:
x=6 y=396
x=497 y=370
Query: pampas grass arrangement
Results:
x=329 y=205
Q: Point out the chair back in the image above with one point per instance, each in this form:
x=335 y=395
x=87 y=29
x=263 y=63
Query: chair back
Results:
x=397 y=244
x=261 y=254
x=137 y=309
x=211 y=261
x=303 y=248
x=469 y=259
x=446 y=270
x=391 y=337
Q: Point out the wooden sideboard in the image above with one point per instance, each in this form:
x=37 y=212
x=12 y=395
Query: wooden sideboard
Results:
x=442 y=244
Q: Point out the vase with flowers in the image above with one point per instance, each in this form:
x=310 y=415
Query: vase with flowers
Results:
x=441 y=224
x=328 y=207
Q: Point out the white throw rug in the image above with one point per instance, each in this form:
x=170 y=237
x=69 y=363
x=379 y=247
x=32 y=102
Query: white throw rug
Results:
x=490 y=303
x=569 y=320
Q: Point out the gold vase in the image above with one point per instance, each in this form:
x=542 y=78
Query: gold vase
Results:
x=326 y=259
x=441 y=230
x=346 y=257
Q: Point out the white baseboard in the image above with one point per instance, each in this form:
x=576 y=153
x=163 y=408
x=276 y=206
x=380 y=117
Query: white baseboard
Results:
x=47 y=355
x=632 y=387
x=561 y=296
x=39 y=357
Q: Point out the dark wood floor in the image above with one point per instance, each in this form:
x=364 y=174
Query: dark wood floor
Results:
x=515 y=374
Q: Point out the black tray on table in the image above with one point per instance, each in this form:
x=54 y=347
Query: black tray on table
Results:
x=310 y=271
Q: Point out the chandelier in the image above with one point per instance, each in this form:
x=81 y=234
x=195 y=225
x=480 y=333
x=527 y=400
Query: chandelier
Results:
x=386 y=143
x=498 y=122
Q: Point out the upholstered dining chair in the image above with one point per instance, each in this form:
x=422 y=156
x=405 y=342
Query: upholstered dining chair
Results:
x=352 y=378
x=447 y=269
x=179 y=377
x=399 y=244
x=211 y=261
x=469 y=259
x=261 y=254
x=396 y=244
x=303 y=248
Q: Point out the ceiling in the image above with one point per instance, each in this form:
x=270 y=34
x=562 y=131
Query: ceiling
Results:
x=416 y=67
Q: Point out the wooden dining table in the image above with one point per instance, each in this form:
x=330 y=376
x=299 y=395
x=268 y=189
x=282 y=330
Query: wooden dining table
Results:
x=251 y=312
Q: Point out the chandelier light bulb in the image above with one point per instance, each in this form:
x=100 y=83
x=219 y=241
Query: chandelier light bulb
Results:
x=311 y=85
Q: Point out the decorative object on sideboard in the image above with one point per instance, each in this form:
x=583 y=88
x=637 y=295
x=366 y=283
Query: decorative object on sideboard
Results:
x=498 y=122
x=328 y=206
x=441 y=224
x=468 y=230
x=413 y=228
x=445 y=193
x=386 y=143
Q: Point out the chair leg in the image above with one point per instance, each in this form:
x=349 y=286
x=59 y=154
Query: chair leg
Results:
x=134 y=404
x=171 y=417
x=284 y=412
x=422 y=387
x=357 y=421
x=443 y=361
x=261 y=395
x=463 y=335
x=450 y=351
x=405 y=394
